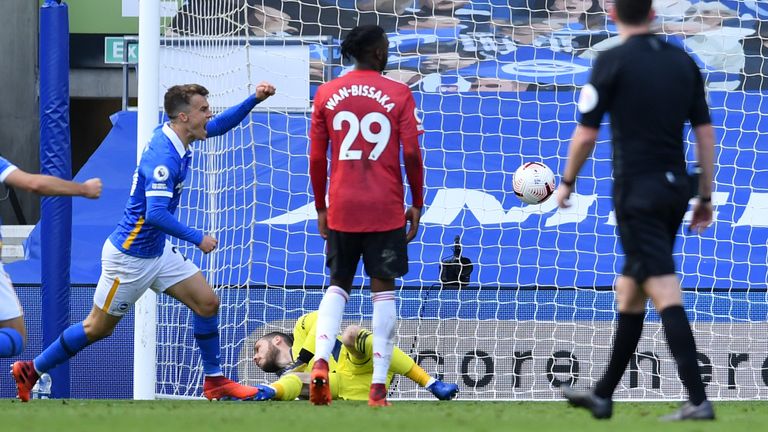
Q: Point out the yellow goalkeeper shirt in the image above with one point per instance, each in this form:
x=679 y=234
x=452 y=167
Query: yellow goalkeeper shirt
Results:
x=350 y=377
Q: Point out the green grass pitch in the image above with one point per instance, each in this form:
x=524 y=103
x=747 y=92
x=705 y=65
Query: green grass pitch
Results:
x=189 y=416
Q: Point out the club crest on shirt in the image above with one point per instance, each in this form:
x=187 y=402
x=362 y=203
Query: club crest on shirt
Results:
x=160 y=173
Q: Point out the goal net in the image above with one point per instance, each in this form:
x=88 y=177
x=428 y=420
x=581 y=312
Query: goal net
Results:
x=496 y=82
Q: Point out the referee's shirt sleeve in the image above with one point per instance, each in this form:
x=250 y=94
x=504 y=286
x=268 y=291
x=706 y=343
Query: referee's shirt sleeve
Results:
x=699 y=113
x=595 y=97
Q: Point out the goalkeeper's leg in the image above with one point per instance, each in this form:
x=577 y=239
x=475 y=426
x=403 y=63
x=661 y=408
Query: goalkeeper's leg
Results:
x=359 y=343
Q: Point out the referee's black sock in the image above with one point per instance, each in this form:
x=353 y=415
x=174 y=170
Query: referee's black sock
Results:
x=628 y=331
x=683 y=347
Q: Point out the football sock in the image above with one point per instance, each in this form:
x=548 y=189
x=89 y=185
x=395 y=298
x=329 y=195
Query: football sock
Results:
x=683 y=347
x=416 y=374
x=628 y=331
x=207 y=338
x=71 y=341
x=400 y=364
x=11 y=342
x=328 y=321
x=384 y=320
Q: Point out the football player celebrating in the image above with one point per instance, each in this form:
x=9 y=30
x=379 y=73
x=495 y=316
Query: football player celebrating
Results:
x=137 y=256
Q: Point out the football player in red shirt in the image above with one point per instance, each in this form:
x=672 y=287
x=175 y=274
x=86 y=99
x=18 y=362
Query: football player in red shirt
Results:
x=367 y=118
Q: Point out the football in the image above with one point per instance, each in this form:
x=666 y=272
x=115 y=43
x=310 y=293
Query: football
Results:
x=533 y=182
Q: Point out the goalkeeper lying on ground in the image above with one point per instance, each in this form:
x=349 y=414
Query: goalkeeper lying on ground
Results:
x=350 y=364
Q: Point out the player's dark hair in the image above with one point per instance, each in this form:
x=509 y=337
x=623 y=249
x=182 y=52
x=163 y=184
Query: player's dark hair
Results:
x=285 y=336
x=361 y=43
x=177 y=98
x=633 y=12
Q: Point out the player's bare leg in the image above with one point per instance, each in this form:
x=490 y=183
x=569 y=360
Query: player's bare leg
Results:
x=667 y=297
x=99 y=324
x=96 y=326
x=631 y=301
x=199 y=296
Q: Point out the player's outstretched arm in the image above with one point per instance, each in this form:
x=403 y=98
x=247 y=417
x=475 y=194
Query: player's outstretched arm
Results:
x=48 y=185
x=232 y=117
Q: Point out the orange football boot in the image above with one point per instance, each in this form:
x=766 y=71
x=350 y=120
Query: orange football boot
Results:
x=378 y=396
x=26 y=376
x=319 y=388
x=223 y=388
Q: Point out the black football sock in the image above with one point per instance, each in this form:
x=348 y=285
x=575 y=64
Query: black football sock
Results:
x=683 y=347
x=628 y=331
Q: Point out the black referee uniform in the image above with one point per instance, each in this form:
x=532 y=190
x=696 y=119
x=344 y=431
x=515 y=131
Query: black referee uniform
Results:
x=649 y=88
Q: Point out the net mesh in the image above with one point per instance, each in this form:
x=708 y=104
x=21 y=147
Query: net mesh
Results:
x=497 y=84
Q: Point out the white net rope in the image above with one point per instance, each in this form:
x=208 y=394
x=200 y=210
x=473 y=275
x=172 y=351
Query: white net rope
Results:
x=497 y=83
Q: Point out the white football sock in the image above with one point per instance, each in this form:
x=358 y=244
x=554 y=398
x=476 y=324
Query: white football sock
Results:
x=384 y=321
x=329 y=316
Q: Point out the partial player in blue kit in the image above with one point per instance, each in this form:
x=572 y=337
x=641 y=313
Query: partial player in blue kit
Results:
x=137 y=256
x=13 y=333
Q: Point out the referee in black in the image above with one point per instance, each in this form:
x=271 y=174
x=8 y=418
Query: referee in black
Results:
x=650 y=89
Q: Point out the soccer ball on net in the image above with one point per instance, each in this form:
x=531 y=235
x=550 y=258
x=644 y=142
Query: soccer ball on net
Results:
x=533 y=183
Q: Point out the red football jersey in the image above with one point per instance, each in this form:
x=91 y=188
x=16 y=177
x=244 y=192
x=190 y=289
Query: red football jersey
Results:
x=366 y=117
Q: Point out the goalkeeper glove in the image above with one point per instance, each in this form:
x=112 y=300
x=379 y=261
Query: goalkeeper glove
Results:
x=265 y=393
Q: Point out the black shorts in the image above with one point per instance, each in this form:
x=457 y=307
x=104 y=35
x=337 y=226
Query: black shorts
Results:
x=649 y=211
x=385 y=254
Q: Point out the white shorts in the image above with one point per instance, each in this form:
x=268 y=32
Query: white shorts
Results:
x=10 y=307
x=124 y=278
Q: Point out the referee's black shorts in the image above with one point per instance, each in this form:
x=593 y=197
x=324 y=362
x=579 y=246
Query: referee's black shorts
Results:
x=649 y=211
x=385 y=254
